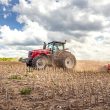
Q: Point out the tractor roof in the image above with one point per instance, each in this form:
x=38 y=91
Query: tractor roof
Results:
x=56 y=42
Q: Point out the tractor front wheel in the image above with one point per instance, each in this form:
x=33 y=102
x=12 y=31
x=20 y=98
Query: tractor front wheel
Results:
x=39 y=62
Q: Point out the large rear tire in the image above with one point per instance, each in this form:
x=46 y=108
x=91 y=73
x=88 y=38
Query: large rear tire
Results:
x=65 y=60
x=69 y=61
x=40 y=62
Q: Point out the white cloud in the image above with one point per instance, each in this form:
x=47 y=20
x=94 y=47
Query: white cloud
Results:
x=5 y=2
x=32 y=34
x=4 y=9
x=31 y=31
x=5 y=16
x=100 y=2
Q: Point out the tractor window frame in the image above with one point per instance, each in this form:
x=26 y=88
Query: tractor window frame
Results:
x=54 y=47
x=60 y=46
x=50 y=46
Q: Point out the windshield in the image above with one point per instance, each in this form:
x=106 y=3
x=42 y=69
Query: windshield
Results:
x=59 y=46
x=56 y=47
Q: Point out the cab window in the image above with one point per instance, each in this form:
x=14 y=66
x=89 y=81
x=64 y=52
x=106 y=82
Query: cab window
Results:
x=50 y=46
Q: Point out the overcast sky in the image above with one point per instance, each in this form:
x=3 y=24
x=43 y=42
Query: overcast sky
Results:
x=26 y=24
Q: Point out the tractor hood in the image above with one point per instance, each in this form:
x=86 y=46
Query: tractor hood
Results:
x=38 y=52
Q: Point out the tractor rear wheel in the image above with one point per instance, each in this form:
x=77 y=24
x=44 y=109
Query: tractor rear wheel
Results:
x=40 y=62
x=65 y=60
x=69 y=61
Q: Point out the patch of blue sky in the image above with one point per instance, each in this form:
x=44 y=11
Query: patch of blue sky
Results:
x=7 y=17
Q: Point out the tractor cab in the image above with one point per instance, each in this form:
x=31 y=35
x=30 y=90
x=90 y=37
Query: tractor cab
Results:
x=56 y=46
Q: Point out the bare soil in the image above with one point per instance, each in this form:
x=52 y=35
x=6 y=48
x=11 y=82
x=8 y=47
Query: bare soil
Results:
x=87 y=87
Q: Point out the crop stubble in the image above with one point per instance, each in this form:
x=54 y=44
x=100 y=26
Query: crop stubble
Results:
x=85 y=88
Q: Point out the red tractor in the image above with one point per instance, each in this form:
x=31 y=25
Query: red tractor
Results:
x=53 y=53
